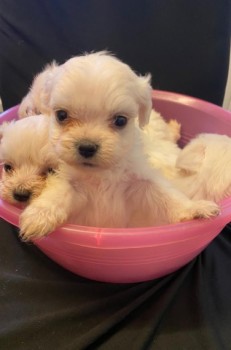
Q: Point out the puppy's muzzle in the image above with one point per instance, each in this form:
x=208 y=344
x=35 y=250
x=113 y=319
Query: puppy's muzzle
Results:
x=87 y=149
x=22 y=196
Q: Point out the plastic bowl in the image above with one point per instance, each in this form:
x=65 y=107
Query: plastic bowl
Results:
x=136 y=255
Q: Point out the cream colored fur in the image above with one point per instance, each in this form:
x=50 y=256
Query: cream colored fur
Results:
x=35 y=102
x=27 y=157
x=160 y=144
x=204 y=168
x=116 y=187
x=160 y=137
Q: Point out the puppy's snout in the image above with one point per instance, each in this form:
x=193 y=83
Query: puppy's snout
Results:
x=87 y=149
x=22 y=196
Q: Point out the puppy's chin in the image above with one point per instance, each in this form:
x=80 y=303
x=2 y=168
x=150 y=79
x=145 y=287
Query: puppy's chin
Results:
x=89 y=165
x=92 y=166
x=9 y=199
x=20 y=205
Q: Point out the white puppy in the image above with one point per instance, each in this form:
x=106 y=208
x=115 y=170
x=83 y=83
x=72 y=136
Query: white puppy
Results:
x=105 y=178
x=160 y=143
x=27 y=159
x=160 y=137
x=204 y=170
x=35 y=102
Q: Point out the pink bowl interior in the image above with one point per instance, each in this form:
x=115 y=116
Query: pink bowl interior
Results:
x=135 y=255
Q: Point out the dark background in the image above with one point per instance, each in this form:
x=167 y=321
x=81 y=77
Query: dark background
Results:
x=184 y=44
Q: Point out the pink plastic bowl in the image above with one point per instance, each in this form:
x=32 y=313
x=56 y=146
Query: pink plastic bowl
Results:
x=135 y=255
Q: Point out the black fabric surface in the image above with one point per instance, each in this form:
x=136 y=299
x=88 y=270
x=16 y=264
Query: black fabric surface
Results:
x=185 y=45
x=45 y=307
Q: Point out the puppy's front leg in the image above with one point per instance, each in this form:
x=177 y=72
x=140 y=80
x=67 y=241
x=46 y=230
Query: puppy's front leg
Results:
x=160 y=203
x=181 y=208
x=50 y=210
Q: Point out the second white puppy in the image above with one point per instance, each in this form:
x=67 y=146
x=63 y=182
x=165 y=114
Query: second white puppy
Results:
x=203 y=168
x=94 y=102
x=27 y=159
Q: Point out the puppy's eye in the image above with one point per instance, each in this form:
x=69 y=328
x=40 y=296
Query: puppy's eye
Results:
x=61 y=115
x=50 y=171
x=120 y=121
x=7 y=167
x=47 y=171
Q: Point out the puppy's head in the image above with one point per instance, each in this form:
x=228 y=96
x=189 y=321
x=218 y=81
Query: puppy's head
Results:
x=26 y=157
x=95 y=100
x=35 y=102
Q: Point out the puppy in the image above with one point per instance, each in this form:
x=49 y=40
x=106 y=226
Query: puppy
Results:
x=35 y=101
x=160 y=137
x=160 y=144
x=204 y=168
x=105 y=179
x=27 y=159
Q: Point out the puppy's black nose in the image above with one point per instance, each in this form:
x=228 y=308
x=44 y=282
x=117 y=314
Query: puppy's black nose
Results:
x=22 y=196
x=87 y=149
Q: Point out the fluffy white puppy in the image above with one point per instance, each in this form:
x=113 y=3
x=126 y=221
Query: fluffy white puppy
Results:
x=204 y=168
x=35 y=102
x=160 y=143
x=160 y=137
x=27 y=158
x=105 y=178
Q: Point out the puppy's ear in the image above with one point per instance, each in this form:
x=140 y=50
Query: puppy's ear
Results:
x=191 y=158
x=49 y=73
x=26 y=107
x=36 y=101
x=2 y=128
x=144 y=99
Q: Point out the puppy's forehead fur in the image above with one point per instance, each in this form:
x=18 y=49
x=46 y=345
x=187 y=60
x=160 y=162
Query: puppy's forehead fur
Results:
x=97 y=83
x=26 y=140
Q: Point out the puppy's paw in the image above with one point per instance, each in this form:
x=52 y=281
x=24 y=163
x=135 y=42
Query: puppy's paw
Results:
x=201 y=209
x=36 y=222
x=206 y=209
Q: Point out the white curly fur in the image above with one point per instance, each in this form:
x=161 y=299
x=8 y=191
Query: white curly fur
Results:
x=116 y=187
x=203 y=168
